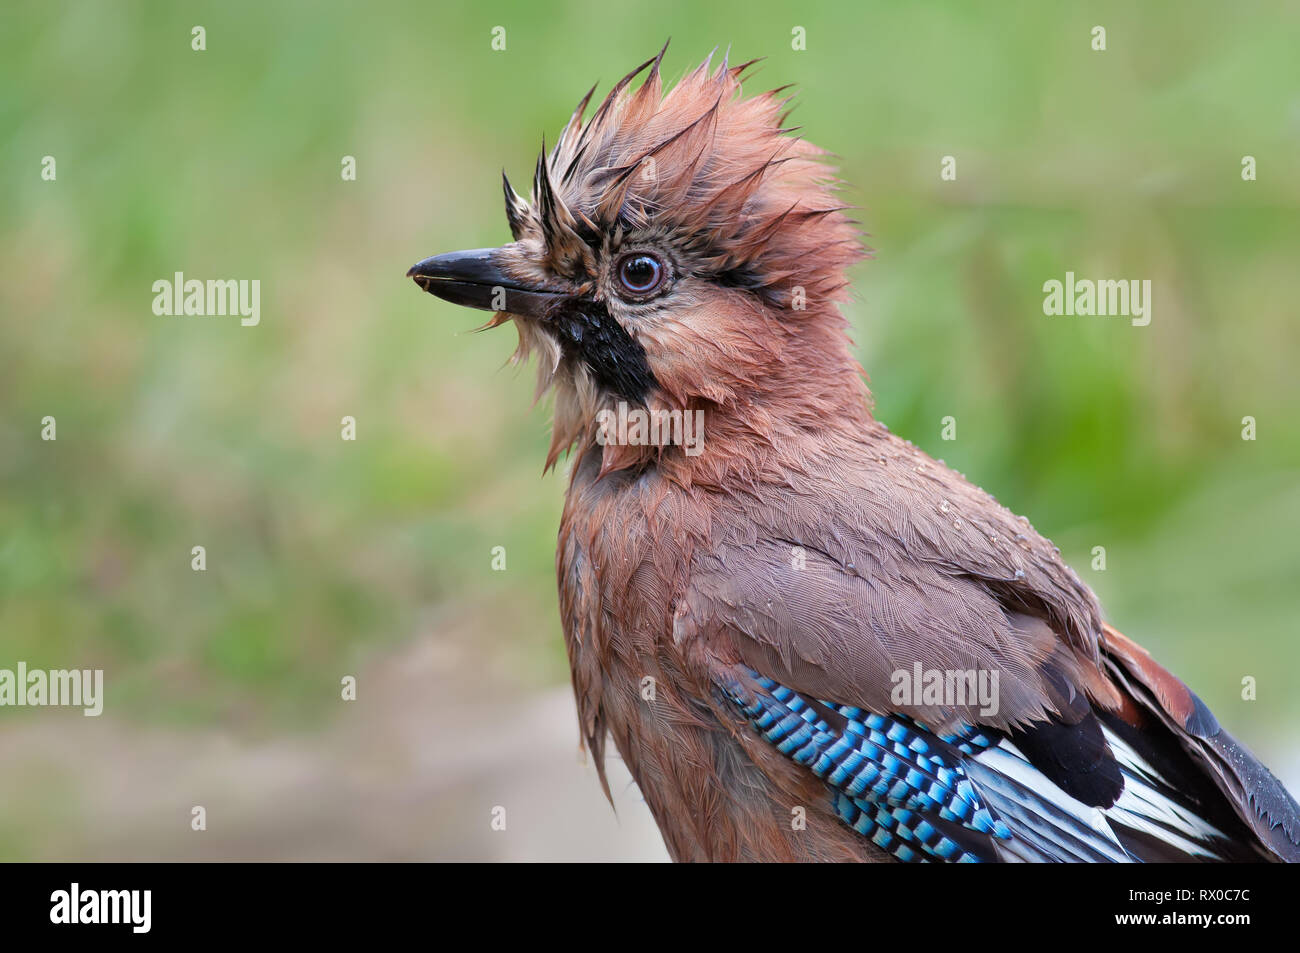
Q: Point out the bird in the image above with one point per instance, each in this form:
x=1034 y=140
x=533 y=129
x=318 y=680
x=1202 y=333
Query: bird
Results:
x=784 y=625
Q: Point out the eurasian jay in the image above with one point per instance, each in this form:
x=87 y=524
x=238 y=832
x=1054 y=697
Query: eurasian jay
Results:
x=747 y=617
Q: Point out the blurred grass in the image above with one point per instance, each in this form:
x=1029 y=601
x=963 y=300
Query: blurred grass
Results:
x=175 y=432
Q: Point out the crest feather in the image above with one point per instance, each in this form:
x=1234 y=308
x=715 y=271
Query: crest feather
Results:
x=720 y=172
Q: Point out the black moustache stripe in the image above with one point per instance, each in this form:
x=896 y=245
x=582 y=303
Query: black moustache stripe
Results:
x=587 y=333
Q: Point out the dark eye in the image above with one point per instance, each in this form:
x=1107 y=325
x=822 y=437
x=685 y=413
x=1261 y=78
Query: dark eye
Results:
x=640 y=273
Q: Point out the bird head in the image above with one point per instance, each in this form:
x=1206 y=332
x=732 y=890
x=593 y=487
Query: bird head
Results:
x=678 y=251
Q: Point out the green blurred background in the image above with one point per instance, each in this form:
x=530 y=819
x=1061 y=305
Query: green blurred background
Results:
x=372 y=558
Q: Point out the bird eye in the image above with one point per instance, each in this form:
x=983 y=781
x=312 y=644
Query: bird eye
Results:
x=640 y=273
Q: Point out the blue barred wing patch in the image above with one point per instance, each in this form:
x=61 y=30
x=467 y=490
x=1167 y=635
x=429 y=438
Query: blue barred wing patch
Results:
x=895 y=783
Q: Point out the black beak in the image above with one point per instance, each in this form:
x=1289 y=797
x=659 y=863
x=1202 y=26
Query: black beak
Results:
x=475 y=280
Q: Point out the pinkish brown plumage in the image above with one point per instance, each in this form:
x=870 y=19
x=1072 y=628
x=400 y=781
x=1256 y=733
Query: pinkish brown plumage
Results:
x=685 y=253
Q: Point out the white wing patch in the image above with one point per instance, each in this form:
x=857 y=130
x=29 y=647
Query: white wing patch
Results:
x=1048 y=824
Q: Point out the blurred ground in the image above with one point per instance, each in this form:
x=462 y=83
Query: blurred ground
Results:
x=410 y=771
